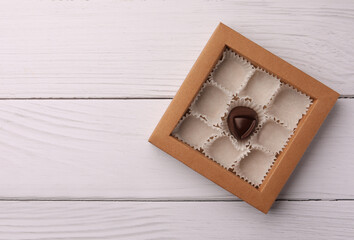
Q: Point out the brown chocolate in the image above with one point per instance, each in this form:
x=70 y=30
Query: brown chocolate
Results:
x=242 y=122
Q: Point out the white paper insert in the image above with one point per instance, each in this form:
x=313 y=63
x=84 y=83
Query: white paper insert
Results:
x=254 y=166
x=232 y=71
x=278 y=105
x=223 y=151
x=289 y=105
x=272 y=136
x=260 y=87
x=194 y=131
x=211 y=103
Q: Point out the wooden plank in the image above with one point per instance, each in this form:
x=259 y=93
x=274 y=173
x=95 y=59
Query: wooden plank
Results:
x=175 y=220
x=117 y=49
x=98 y=149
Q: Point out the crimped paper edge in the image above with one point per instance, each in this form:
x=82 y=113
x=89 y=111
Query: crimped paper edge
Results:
x=271 y=102
x=228 y=53
x=195 y=112
x=180 y=138
x=245 y=178
x=265 y=71
x=245 y=103
x=253 y=143
x=208 y=144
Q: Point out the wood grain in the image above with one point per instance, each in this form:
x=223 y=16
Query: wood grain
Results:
x=98 y=149
x=134 y=49
x=174 y=220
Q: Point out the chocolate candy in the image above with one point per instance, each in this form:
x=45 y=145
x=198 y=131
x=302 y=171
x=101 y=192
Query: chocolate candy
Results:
x=242 y=122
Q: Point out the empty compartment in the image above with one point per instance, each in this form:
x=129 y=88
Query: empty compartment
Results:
x=223 y=151
x=289 y=105
x=272 y=136
x=232 y=72
x=194 y=131
x=260 y=87
x=211 y=103
x=255 y=166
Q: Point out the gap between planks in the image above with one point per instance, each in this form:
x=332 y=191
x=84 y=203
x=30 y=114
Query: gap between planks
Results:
x=121 y=98
x=159 y=200
x=132 y=220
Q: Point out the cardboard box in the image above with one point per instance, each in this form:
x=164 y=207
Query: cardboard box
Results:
x=263 y=197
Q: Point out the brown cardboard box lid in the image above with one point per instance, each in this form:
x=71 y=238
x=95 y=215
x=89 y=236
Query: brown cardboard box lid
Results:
x=323 y=97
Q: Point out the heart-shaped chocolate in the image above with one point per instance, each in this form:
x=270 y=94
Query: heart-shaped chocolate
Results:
x=242 y=121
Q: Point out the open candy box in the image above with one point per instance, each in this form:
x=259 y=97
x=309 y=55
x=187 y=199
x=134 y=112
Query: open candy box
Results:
x=243 y=118
x=244 y=144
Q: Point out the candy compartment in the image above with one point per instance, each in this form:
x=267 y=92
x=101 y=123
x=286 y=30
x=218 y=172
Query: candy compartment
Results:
x=289 y=105
x=272 y=136
x=224 y=151
x=235 y=82
x=194 y=131
x=254 y=166
x=245 y=103
x=260 y=87
x=211 y=103
x=232 y=71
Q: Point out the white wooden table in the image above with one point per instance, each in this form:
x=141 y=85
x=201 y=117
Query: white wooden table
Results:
x=83 y=84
